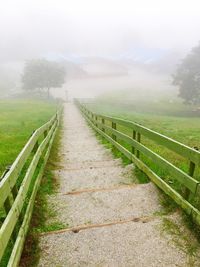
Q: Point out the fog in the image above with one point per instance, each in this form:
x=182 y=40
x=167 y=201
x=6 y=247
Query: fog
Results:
x=104 y=45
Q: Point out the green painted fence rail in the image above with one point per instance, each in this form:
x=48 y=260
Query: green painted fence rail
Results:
x=108 y=127
x=18 y=189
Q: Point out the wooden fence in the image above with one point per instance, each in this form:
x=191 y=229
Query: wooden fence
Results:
x=111 y=129
x=18 y=189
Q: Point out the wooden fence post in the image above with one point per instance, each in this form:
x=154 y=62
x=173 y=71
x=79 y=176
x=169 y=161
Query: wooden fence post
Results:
x=134 y=136
x=191 y=173
x=103 y=122
x=96 y=118
x=139 y=140
x=114 y=126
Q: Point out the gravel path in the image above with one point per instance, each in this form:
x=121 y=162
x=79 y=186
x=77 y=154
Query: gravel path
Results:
x=104 y=196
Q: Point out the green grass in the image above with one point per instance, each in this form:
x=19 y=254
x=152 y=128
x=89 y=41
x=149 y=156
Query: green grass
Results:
x=184 y=235
x=18 y=119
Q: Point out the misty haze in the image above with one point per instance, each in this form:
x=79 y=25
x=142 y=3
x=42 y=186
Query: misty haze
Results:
x=100 y=133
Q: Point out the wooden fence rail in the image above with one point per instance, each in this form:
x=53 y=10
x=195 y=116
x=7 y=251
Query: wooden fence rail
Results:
x=111 y=129
x=18 y=189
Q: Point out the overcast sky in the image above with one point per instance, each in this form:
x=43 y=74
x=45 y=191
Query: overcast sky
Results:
x=106 y=28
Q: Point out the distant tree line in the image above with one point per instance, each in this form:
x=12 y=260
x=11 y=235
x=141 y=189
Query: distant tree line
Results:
x=42 y=75
x=187 y=77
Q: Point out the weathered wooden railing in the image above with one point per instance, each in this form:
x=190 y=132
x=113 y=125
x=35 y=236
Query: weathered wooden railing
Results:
x=111 y=128
x=18 y=189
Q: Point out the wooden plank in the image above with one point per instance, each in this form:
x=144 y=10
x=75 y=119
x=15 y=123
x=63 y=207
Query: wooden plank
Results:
x=8 y=205
x=76 y=229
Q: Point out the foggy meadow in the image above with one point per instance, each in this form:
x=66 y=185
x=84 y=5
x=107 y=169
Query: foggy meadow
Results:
x=99 y=133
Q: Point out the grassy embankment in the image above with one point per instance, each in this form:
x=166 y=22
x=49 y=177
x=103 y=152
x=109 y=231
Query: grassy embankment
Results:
x=18 y=119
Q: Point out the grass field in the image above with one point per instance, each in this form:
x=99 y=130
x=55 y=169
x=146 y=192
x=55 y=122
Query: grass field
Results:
x=18 y=119
x=185 y=129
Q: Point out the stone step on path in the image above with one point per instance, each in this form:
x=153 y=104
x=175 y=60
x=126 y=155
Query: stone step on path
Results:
x=106 y=206
x=91 y=177
x=115 y=221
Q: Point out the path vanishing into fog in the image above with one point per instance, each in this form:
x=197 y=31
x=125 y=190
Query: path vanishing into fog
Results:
x=109 y=220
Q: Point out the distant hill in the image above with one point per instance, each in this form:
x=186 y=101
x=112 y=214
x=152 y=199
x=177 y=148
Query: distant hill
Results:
x=102 y=67
x=74 y=70
x=122 y=66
